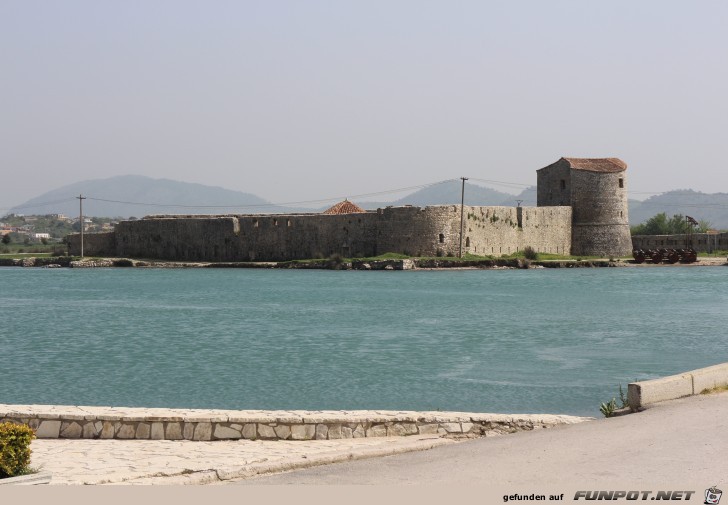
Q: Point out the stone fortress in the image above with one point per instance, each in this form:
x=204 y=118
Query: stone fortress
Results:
x=581 y=210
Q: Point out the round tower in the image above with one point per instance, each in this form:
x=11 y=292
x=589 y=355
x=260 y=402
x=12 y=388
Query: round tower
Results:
x=596 y=190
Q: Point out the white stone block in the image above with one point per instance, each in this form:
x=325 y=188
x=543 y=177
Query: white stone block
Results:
x=48 y=429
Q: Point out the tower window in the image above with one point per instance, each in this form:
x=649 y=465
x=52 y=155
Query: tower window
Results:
x=442 y=238
x=621 y=182
x=563 y=184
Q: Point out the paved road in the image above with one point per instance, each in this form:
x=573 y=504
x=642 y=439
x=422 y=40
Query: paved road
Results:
x=671 y=444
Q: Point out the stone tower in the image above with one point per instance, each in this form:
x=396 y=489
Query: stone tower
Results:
x=596 y=190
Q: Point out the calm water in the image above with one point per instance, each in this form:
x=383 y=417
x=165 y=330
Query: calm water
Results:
x=480 y=340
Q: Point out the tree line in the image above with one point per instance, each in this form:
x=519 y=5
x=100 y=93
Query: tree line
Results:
x=660 y=224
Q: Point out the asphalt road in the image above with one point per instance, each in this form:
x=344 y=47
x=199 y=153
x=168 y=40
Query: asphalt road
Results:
x=677 y=443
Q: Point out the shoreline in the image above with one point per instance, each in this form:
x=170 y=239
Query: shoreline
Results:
x=328 y=264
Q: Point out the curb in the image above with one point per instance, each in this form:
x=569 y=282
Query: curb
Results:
x=672 y=387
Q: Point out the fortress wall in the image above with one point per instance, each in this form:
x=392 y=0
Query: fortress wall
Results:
x=495 y=231
x=702 y=242
x=94 y=244
x=419 y=231
x=189 y=238
x=304 y=236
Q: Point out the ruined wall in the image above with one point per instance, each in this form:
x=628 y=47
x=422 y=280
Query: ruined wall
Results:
x=702 y=242
x=94 y=244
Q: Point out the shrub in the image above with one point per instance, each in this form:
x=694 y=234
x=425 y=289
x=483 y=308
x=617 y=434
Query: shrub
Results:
x=530 y=253
x=14 y=449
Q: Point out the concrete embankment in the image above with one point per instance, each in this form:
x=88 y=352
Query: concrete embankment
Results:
x=641 y=394
x=58 y=421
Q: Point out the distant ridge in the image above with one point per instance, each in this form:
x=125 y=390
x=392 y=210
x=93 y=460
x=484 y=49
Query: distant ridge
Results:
x=169 y=197
x=202 y=199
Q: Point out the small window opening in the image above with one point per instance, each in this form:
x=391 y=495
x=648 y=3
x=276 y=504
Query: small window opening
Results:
x=442 y=238
x=288 y=222
x=563 y=184
x=467 y=241
x=255 y=223
x=275 y=222
x=621 y=182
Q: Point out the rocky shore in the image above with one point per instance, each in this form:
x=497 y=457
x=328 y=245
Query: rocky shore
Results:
x=335 y=264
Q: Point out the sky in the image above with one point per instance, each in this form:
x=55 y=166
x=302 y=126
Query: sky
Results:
x=304 y=100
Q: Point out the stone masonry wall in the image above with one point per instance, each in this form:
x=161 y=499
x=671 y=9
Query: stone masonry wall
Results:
x=58 y=421
x=94 y=244
x=417 y=231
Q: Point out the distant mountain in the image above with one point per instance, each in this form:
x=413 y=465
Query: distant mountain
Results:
x=450 y=193
x=711 y=207
x=136 y=195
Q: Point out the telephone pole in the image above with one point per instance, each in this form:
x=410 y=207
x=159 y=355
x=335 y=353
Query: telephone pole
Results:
x=81 y=198
x=462 y=208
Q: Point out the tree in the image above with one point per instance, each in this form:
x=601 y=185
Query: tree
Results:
x=659 y=224
x=6 y=239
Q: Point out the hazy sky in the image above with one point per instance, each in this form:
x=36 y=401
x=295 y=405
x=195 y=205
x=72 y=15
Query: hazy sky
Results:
x=300 y=100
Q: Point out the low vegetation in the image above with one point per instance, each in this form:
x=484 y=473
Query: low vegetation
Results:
x=15 y=449
x=660 y=224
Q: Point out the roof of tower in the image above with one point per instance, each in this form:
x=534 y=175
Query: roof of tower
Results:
x=597 y=164
x=344 y=207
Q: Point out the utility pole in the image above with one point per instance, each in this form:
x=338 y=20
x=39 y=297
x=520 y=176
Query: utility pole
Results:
x=81 y=198
x=462 y=208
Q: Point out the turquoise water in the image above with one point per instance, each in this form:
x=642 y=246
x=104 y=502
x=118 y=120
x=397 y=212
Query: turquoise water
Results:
x=556 y=341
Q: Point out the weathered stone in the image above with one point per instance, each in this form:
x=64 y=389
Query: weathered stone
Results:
x=466 y=427
x=359 y=432
x=71 y=430
x=107 y=430
x=203 y=431
x=48 y=429
x=283 y=431
x=303 y=431
x=409 y=428
x=249 y=432
x=89 y=430
x=237 y=427
x=378 y=430
x=427 y=429
x=265 y=431
x=188 y=431
x=174 y=432
x=34 y=423
x=223 y=432
x=322 y=431
x=126 y=431
x=395 y=430
x=347 y=432
x=335 y=432
x=452 y=427
x=157 y=431
x=143 y=431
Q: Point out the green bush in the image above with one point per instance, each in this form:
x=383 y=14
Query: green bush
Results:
x=14 y=449
x=530 y=253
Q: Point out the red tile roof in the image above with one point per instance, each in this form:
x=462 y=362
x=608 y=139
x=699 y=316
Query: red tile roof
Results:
x=345 y=207
x=597 y=164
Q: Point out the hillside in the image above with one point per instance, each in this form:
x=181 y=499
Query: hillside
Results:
x=711 y=207
x=107 y=197
x=450 y=193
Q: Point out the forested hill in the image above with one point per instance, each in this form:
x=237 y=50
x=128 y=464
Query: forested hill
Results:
x=710 y=207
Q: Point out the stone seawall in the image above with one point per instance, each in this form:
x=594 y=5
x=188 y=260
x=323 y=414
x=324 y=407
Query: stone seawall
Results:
x=58 y=421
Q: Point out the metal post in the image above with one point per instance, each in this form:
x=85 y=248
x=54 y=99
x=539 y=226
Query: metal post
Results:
x=462 y=208
x=81 y=198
